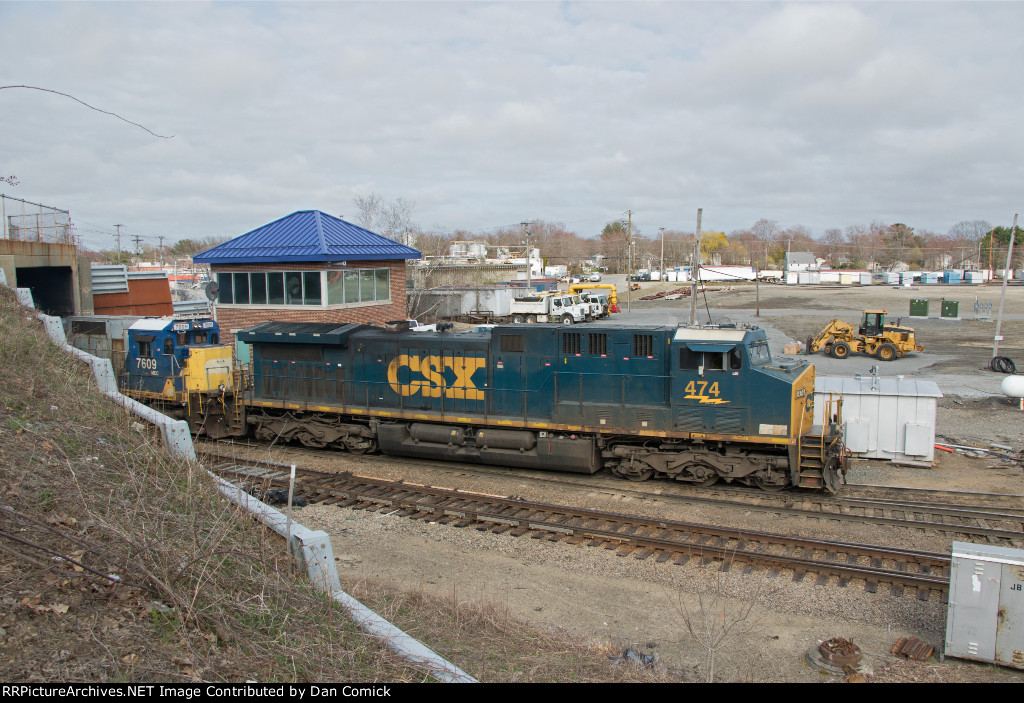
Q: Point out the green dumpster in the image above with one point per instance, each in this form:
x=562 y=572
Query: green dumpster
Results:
x=919 y=308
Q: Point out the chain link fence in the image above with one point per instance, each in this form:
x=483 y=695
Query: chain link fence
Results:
x=25 y=221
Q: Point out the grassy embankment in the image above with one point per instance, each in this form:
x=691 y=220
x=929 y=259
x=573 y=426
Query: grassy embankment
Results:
x=120 y=563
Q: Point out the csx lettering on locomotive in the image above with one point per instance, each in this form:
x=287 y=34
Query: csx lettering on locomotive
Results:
x=456 y=384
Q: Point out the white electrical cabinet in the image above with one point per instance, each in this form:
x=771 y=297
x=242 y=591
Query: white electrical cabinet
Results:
x=886 y=418
x=985 y=619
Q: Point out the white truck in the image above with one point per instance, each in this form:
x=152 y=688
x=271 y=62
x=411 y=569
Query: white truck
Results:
x=567 y=309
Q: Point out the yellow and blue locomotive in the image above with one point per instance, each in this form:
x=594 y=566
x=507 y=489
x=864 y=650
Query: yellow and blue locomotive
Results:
x=180 y=367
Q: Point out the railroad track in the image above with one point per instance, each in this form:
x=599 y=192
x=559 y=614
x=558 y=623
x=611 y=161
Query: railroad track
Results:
x=995 y=518
x=632 y=536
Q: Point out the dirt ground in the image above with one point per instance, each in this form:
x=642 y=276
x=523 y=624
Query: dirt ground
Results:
x=618 y=602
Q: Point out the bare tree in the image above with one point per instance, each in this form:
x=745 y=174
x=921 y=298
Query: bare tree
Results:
x=369 y=207
x=833 y=240
x=970 y=230
x=766 y=232
x=715 y=622
x=967 y=236
x=396 y=221
x=392 y=219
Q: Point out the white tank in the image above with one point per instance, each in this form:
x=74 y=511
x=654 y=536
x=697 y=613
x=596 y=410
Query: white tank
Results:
x=1013 y=386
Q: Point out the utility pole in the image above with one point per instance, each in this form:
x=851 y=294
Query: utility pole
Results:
x=662 y=277
x=529 y=263
x=1002 y=294
x=161 y=251
x=629 y=261
x=138 y=245
x=118 y=237
x=695 y=269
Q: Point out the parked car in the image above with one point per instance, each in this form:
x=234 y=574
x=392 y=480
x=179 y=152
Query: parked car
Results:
x=594 y=278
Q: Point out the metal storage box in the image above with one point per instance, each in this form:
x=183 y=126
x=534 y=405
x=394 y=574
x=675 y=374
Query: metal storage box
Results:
x=985 y=618
x=919 y=307
x=950 y=310
x=886 y=418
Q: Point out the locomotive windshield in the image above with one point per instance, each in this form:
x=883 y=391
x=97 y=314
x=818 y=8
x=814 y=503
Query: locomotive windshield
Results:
x=759 y=354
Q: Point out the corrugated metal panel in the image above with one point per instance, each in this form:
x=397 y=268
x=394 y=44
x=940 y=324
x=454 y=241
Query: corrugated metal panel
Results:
x=192 y=307
x=308 y=235
x=877 y=386
x=109 y=279
x=137 y=275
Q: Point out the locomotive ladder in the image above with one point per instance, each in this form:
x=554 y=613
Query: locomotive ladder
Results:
x=814 y=447
x=239 y=382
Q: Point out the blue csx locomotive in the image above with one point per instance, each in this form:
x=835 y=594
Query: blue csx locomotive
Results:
x=696 y=404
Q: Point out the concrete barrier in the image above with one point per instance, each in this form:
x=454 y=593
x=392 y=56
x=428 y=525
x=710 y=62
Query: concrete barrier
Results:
x=311 y=549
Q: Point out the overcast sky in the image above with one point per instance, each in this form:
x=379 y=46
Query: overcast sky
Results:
x=487 y=114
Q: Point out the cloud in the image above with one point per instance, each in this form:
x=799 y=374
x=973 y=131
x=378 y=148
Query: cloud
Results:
x=823 y=114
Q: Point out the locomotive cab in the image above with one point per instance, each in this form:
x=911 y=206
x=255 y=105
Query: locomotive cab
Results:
x=170 y=358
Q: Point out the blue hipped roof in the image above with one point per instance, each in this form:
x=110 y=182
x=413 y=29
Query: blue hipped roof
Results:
x=307 y=235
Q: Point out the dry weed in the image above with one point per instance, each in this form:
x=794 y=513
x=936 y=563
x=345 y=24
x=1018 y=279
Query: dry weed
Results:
x=119 y=563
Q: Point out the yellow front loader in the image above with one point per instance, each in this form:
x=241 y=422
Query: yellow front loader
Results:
x=874 y=337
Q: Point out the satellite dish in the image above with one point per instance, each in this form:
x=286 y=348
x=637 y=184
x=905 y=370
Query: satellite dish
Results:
x=212 y=289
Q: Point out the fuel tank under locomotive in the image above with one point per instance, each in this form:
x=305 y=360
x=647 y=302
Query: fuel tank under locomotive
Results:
x=518 y=448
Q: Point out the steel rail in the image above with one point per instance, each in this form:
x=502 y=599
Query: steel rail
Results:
x=771 y=502
x=621 y=528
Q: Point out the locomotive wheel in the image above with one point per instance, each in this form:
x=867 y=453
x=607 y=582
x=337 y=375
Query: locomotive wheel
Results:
x=841 y=350
x=308 y=440
x=362 y=445
x=768 y=487
x=641 y=475
x=887 y=352
x=701 y=475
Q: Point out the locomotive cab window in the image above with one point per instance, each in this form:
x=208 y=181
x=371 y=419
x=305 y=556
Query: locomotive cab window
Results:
x=759 y=354
x=146 y=348
x=168 y=346
x=710 y=357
